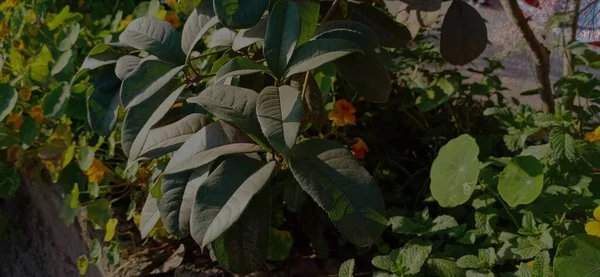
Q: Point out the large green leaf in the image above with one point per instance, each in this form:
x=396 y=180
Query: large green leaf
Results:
x=331 y=175
x=246 y=37
x=103 y=103
x=140 y=118
x=223 y=197
x=149 y=77
x=521 y=181
x=212 y=141
x=279 y=112
x=309 y=17
x=55 y=103
x=200 y=21
x=239 y=66
x=149 y=216
x=230 y=103
x=318 y=52
x=367 y=74
x=390 y=33
x=283 y=30
x=101 y=55
x=352 y=31
x=178 y=194
x=242 y=249
x=169 y=138
x=464 y=34
x=240 y=14
x=578 y=256
x=126 y=65
x=8 y=99
x=155 y=36
x=455 y=171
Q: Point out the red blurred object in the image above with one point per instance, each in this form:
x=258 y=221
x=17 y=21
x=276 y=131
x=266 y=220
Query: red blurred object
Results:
x=594 y=43
x=535 y=3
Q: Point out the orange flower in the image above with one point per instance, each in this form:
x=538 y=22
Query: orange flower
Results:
x=16 y=120
x=170 y=3
x=96 y=172
x=593 y=136
x=173 y=18
x=13 y=153
x=360 y=149
x=24 y=94
x=37 y=114
x=343 y=114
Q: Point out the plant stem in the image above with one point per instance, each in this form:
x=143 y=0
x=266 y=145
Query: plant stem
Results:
x=514 y=220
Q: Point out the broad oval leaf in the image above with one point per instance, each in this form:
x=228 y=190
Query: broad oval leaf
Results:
x=155 y=36
x=521 y=181
x=8 y=99
x=279 y=111
x=318 y=52
x=200 y=21
x=140 y=118
x=352 y=31
x=221 y=200
x=283 y=30
x=150 y=76
x=212 y=141
x=367 y=74
x=391 y=34
x=126 y=65
x=240 y=14
x=578 y=255
x=247 y=37
x=149 y=216
x=455 y=171
x=169 y=138
x=464 y=34
x=331 y=175
x=101 y=55
x=236 y=105
x=178 y=194
x=239 y=66
x=243 y=248
x=55 y=103
x=103 y=103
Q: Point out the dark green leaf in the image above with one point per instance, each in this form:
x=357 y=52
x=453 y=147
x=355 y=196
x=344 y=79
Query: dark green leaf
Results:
x=10 y=182
x=318 y=52
x=352 y=31
x=390 y=33
x=444 y=267
x=279 y=112
x=55 y=103
x=101 y=55
x=8 y=99
x=103 y=103
x=313 y=108
x=155 y=36
x=346 y=269
x=99 y=212
x=283 y=30
x=309 y=17
x=464 y=34
x=247 y=37
x=126 y=65
x=149 y=216
x=240 y=14
x=169 y=138
x=239 y=66
x=331 y=175
x=200 y=21
x=28 y=131
x=149 y=77
x=367 y=74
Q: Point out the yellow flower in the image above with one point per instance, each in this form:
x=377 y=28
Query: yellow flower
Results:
x=96 y=172
x=529 y=264
x=173 y=18
x=343 y=114
x=593 y=226
x=19 y=44
x=37 y=114
x=24 y=94
x=16 y=120
x=593 y=136
x=124 y=22
x=360 y=149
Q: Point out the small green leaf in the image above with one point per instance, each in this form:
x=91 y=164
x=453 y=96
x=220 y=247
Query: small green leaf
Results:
x=455 y=171
x=283 y=30
x=155 y=36
x=8 y=99
x=86 y=157
x=240 y=14
x=317 y=52
x=521 y=181
x=347 y=269
x=55 y=103
x=279 y=111
x=150 y=215
x=111 y=225
x=444 y=267
x=577 y=256
x=412 y=256
x=309 y=17
x=464 y=34
x=468 y=262
x=439 y=92
x=113 y=255
x=28 y=131
x=103 y=103
x=562 y=145
x=239 y=66
x=95 y=251
x=99 y=212
x=280 y=243
x=82 y=264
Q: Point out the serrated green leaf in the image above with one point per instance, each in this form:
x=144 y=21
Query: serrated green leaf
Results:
x=455 y=172
x=331 y=175
x=412 y=256
x=521 y=181
x=562 y=145
x=279 y=111
x=468 y=261
x=487 y=257
x=444 y=267
x=8 y=99
x=346 y=269
x=55 y=103
x=317 y=52
x=240 y=14
x=283 y=30
x=222 y=198
x=405 y=225
x=155 y=36
x=464 y=34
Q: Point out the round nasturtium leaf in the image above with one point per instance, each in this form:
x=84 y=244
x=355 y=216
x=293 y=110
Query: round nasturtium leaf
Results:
x=455 y=172
x=578 y=256
x=521 y=181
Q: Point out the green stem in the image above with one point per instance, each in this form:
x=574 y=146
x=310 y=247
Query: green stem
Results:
x=514 y=220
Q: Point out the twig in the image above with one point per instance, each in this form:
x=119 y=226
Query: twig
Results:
x=541 y=54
